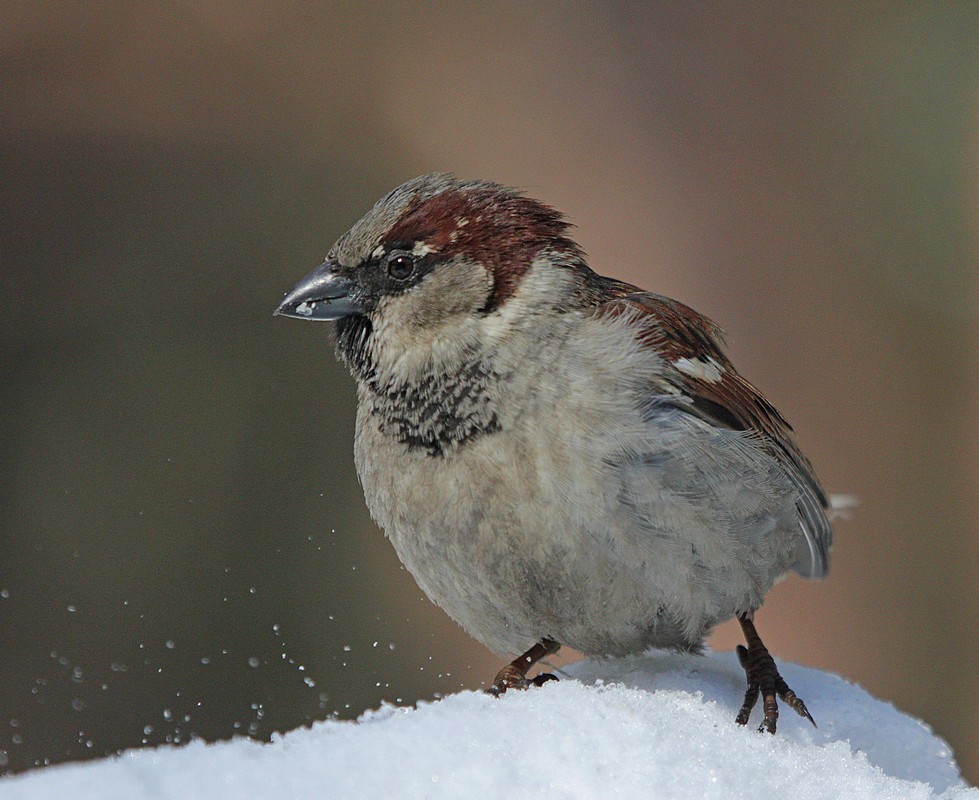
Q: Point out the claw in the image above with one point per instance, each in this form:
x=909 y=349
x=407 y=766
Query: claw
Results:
x=514 y=674
x=765 y=680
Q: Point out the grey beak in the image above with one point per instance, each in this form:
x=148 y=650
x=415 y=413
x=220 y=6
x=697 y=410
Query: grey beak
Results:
x=324 y=294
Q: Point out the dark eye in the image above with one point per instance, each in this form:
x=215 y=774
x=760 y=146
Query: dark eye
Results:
x=401 y=266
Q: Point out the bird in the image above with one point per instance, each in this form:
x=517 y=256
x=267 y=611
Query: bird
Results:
x=558 y=457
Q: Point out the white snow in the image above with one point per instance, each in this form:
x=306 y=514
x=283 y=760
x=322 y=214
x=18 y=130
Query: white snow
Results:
x=649 y=726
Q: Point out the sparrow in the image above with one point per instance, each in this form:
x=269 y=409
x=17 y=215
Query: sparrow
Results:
x=558 y=458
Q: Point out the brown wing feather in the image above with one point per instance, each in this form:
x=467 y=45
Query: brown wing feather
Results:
x=678 y=332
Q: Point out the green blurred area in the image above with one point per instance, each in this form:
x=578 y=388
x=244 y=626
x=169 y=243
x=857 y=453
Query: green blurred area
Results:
x=184 y=550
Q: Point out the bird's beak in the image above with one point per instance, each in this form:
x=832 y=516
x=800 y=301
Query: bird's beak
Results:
x=324 y=294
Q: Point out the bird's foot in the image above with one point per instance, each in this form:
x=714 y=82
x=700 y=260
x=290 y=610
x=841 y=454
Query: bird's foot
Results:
x=764 y=679
x=509 y=678
x=514 y=674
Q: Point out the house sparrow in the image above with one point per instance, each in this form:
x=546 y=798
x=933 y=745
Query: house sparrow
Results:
x=558 y=457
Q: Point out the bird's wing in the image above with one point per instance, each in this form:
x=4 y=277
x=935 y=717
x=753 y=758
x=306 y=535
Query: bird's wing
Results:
x=708 y=386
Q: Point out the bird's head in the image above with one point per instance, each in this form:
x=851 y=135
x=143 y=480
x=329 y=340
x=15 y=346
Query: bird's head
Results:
x=431 y=260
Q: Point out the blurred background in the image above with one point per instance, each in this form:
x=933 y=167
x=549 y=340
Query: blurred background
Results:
x=184 y=549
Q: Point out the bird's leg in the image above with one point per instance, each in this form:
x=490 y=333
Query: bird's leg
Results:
x=763 y=678
x=514 y=674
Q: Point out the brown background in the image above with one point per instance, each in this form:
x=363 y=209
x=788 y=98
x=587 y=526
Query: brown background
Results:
x=182 y=537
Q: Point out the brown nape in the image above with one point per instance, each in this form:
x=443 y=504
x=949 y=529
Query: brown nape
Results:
x=764 y=679
x=514 y=675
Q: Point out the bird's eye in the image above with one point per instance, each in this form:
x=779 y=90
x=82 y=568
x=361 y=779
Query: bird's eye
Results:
x=401 y=266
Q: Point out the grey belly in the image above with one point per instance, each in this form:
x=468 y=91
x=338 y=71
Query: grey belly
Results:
x=611 y=559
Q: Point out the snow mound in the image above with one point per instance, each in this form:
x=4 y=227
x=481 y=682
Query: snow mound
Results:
x=654 y=725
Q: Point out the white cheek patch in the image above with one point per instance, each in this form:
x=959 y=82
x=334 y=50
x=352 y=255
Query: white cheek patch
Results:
x=540 y=283
x=704 y=369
